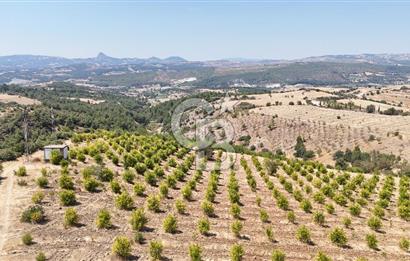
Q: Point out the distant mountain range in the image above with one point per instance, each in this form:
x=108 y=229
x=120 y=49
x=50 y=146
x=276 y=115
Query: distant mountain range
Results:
x=41 y=61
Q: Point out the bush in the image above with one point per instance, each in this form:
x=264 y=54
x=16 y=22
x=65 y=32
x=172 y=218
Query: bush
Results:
x=150 y=178
x=208 y=208
x=67 y=198
x=115 y=186
x=371 y=241
x=155 y=249
x=378 y=211
x=303 y=235
x=139 y=189
x=153 y=203
x=33 y=214
x=269 y=234
x=139 y=238
x=235 y=211
x=404 y=244
x=187 y=192
x=41 y=257
x=21 y=172
x=319 y=218
x=128 y=176
x=124 y=201
x=322 y=257
x=278 y=255
x=170 y=224
x=70 y=217
x=338 y=237
x=180 y=206
x=103 y=219
x=355 y=210
x=195 y=252
x=163 y=190
x=138 y=219
x=91 y=184
x=27 y=239
x=37 y=197
x=282 y=203
x=121 y=246
x=306 y=206
x=237 y=252
x=291 y=217
x=236 y=228
x=56 y=157
x=374 y=223
x=264 y=216
x=66 y=182
x=347 y=222
x=203 y=226
x=330 y=209
x=42 y=182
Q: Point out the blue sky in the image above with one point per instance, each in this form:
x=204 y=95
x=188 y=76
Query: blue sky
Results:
x=205 y=29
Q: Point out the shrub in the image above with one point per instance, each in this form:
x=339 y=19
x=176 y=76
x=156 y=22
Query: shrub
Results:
x=322 y=257
x=269 y=234
x=139 y=189
x=103 y=219
x=115 y=187
x=153 y=203
x=21 y=172
x=203 y=226
x=128 y=176
x=236 y=228
x=283 y=203
x=139 y=238
x=150 y=178
x=263 y=216
x=27 y=239
x=140 y=168
x=303 y=235
x=42 y=182
x=306 y=206
x=208 y=208
x=41 y=257
x=278 y=255
x=319 y=197
x=347 y=222
x=170 y=224
x=237 y=252
x=121 y=246
x=56 y=157
x=338 y=237
x=37 y=197
x=33 y=214
x=371 y=241
x=155 y=249
x=378 y=211
x=291 y=217
x=258 y=201
x=66 y=182
x=21 y=182
x=91 y=184
x=374 y=223
x=404 y=244
x=355 y=210
x=138 y=219
x=187 y=192
x=70 y=217
x=195 y=252
x=319 y=218
x=163 y=190
x=235 y=210
x=330 y=209
x=180 y=206
x=124 y=201
x=67 y=198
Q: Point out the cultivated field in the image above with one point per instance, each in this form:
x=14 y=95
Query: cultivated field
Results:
x=6 y=98
x=176 y=201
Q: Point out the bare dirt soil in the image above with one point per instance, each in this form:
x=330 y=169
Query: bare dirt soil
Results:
x=6 y=98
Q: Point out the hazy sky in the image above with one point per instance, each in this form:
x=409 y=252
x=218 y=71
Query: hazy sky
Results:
x=205 y=29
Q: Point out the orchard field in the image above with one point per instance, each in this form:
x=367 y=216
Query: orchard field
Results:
x=145 y=197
